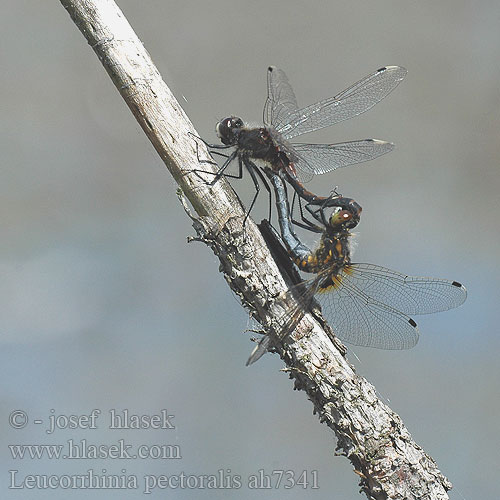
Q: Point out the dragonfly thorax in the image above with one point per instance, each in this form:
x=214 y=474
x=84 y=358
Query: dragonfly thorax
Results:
x=334 y=250
x=331 y=255
x=258 y=143
x=334 y=246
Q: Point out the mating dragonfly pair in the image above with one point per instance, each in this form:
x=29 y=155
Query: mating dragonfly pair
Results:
x=367 y=305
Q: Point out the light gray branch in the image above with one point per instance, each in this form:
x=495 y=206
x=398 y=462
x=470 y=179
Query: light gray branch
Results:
x=389 y=463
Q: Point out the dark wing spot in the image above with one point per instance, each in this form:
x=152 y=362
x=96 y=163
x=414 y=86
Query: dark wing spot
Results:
x=456 y=283
x=412 y=323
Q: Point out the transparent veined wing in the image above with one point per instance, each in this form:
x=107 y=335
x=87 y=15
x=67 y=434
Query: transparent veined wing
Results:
x=409 y=294
x=353 y=101
x=354 y=316
x=322 y=158
x=281 y=101
x=259 y=350
x=359 y=319
x=303 y=295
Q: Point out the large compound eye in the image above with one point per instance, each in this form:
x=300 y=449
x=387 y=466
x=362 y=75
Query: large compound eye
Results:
x=223 y=129
x=236 y=122
x=340 y=218
x=228 y=129
x=225 y=125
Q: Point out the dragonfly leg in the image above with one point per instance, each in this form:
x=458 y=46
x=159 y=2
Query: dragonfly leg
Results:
x=220 y=172
x=304 y=223
x=268 y=189
x=252 y=168
x=217 y=175
x=210 y=146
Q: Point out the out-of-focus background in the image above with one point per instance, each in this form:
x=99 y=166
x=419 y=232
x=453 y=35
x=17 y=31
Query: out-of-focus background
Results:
x=105 y=305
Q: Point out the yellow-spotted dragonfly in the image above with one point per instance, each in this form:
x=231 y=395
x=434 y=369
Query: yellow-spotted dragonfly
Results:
x=365 y=304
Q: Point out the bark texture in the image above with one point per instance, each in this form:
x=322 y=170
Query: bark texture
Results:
x=389 y=463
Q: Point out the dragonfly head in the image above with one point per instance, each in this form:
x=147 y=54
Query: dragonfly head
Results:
x=343 y=219
x=228 y=129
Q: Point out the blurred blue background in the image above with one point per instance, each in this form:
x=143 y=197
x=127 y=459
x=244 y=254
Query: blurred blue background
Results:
x=105 y=305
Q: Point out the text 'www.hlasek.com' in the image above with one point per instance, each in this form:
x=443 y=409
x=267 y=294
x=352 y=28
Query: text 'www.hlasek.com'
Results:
x=78 y=450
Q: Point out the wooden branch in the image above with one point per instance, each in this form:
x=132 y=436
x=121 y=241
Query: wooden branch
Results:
x=389 y=463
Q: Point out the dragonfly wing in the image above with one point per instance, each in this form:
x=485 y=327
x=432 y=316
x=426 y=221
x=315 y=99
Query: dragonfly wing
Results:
x=359 y=319
x=409 y=294
x=304 y=168
x=259 y=350
x=281 y=102
x=322 y=158
x=289 y=321
x=353 y=101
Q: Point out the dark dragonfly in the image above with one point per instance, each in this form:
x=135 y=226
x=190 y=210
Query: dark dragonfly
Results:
x=284 y=120
x=365 y=304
